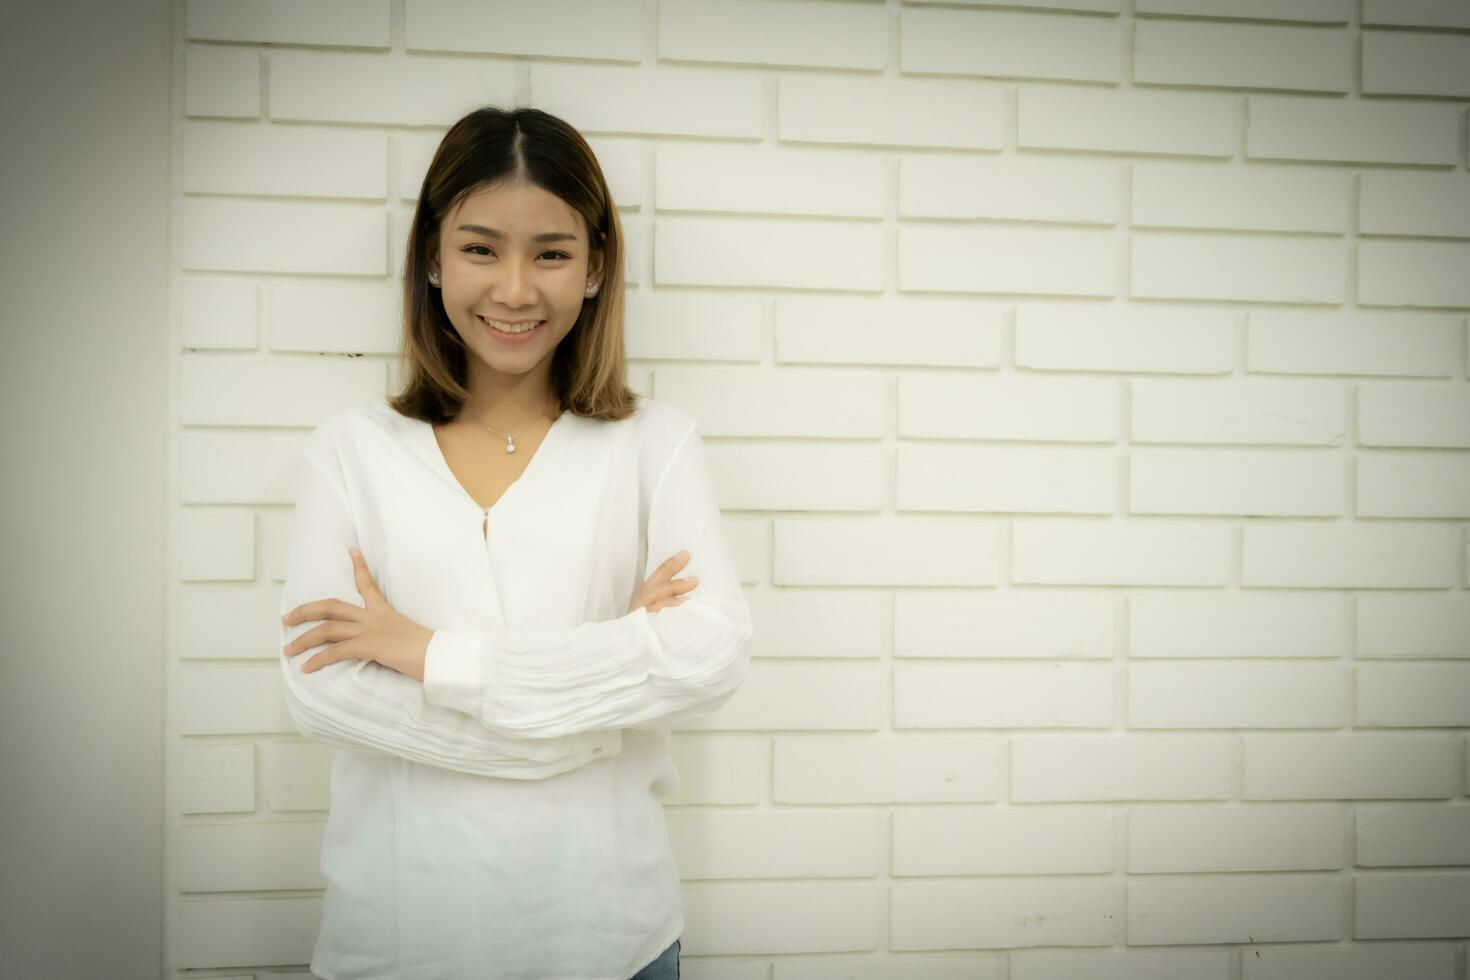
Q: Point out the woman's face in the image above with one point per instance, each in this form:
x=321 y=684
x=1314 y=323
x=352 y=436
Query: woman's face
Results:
x=492 y=265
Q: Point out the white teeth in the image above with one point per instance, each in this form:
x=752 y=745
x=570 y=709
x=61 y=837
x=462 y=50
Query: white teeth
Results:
x=512 y=327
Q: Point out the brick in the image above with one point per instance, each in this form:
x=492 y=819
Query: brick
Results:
x=343 y=23
x=903 y=551
x=1412 y=834
x=1031 y=187
x=1413 y=626
x=1256 y=837
x=1346 y=766
x=1125 y=121
x=1329 y=11
x=1410 y=203
x=284 y=161
x=1356 y=961
x=1022 y=479
x=1351 y=342
x=216 y=778
x=227 y=624
x=938 y=112
x=668 y=101
x=1065 y=336
x=282 y=236
x=773 y=32
x=1318 y=59
x=1089 y=6
x=285 y=391
x=1050 y=841
x=772 y=252
x=219 y=314
x=1368 y=555
x=1119 y=767
x=1235 y=908
x=261 y=856
x=1076 y=552
x=1253 y=484
x=717 y=769
x=1296 y=412
x=330 y=86
x=1401 y=273
x=1413 y=695
x=774 y=918
x=237 y=467
x=607 y=31
x=1352 y=131
x=1413 y=485
x=1401 y=63
x=1236 y=695
x=231 y=701
x=886 y=330
x=727 y=401
x=1049 y=695
x=801 y=696
x=694 y=326
x=296 y=776
x=1293 y=625
x=825 y=623
x=791 y=180
x=1005 y=914
x=886 y=769
x=1151 y=964
x=1417 y=13
x=222 y=82
x=1436 y=416
x=951 y=405
x=943 y=40
x=776 y=844
x=1412 y=906
x=1259 y=197
x=776 y=476
x=1007 y=259
x=1010 y=624
x=335 y=317
x=216 y=544
x=225 y=932
x=1182 y=265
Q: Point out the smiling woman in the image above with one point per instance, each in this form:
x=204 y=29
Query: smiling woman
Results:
x=498 y=666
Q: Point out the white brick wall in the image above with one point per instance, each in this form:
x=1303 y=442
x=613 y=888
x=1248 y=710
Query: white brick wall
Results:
x=1086 y=387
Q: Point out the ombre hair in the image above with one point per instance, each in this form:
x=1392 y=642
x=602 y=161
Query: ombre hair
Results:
x=493 y=146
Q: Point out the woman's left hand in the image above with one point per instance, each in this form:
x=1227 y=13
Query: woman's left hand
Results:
x=378 y=632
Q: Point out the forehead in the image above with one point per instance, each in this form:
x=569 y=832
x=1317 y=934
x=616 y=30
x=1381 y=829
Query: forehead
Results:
x=515 y=210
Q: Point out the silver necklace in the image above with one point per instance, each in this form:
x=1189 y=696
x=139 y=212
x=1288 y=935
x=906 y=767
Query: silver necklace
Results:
x=510 y=444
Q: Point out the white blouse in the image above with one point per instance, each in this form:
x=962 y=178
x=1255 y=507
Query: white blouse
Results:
x=501 y=819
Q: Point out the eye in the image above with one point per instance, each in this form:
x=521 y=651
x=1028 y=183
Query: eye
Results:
x=485 y=250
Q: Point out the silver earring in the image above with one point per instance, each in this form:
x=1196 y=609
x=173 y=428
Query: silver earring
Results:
x=433 y=278
x=592 y=289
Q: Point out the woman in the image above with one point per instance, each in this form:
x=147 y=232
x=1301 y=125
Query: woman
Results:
x=497 y=681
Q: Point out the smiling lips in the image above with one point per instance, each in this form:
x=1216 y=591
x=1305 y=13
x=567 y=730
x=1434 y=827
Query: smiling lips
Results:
x=512 y=327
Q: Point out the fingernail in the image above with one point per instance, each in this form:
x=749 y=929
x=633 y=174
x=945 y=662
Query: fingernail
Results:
x=683 y=554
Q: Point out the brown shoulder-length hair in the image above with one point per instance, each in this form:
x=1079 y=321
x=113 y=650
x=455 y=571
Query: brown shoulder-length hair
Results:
x=487 y=147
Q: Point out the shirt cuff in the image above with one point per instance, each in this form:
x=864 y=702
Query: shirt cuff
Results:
x=452 y=670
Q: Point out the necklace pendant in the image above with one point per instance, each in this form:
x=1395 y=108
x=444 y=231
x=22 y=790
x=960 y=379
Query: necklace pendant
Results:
x=510 y=446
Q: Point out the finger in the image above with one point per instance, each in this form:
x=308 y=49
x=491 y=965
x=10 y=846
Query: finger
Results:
x=684 y=584
x=666 y=571
x=361 y=573
x=317 y=635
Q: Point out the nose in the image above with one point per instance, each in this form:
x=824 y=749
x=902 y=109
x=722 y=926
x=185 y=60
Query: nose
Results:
x=513 y=288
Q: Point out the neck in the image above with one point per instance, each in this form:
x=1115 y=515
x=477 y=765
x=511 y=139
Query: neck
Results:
x=505 y=401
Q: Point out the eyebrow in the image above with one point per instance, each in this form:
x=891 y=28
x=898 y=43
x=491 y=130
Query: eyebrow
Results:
x=550 y=236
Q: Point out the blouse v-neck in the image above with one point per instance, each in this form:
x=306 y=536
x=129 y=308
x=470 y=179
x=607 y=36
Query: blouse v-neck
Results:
x=434 y=454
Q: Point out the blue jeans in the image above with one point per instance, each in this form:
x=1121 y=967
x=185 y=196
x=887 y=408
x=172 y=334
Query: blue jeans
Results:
x=666 y=967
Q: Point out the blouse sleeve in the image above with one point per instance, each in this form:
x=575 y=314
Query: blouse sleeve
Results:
x=365 y=707
x=642 y=670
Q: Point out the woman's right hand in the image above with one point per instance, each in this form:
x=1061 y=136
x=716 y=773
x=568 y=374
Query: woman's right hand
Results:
x=662 y=589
